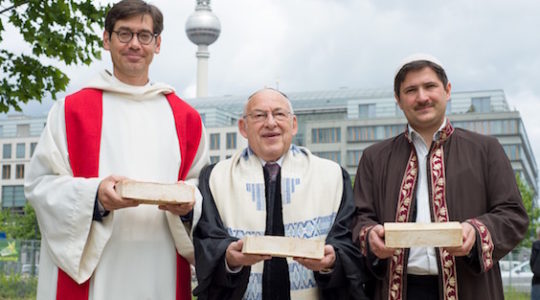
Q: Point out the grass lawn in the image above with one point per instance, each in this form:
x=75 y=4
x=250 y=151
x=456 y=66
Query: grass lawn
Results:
x=513 y=295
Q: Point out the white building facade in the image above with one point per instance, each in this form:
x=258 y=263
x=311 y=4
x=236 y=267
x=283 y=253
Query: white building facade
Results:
x=19 y=136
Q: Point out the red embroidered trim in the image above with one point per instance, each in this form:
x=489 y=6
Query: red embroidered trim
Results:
x=363 y=239
x=440 y=211
x=487 y=243
x=408 y=184
x=438 y=184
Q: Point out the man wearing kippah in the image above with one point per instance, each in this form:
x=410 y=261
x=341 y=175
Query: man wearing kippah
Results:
x=433 y=172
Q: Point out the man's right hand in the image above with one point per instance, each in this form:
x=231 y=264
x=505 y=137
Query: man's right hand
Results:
x=108 y=197
x=376 y=243
x=235 y=258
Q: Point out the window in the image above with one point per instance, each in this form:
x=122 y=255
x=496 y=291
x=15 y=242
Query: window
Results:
x=481 y=104
x=365 y=133
x=13 y=196
x=19 y=172
x=366 y=111
x=32 y=148
x=393 y=130
x=1 y=131
x=490 y=127
x=6 y=171
x=214 y=159
x=353 y=157
x=331 y=155
x=512 y=151
x=6 y=151
x=214 y=141
x=23 y=130
x=20 y=150
x=326 y=135
x=231 y=140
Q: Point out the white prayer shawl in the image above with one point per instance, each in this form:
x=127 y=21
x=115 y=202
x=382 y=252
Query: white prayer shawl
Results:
x=131 y=254
x=311 y=191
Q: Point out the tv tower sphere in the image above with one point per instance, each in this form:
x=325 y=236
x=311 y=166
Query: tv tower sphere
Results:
x=203 y=27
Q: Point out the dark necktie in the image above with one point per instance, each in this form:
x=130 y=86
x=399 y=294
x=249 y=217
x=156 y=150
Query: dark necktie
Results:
x=273 y=170
x=276 y=285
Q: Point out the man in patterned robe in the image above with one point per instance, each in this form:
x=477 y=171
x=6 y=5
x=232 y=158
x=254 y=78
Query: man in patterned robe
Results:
x=436 y=173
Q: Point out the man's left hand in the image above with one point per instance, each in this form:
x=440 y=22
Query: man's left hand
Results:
x=469 y=238
x=178 y=209
x=326 y=263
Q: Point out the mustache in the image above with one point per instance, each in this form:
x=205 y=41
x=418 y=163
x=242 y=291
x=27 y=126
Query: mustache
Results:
x=422 y=106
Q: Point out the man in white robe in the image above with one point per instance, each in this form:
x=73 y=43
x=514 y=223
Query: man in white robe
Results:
x=110 y=246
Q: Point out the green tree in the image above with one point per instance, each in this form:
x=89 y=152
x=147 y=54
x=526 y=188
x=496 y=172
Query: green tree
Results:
x=62 y=30
x=533 y=211
x=20 y=226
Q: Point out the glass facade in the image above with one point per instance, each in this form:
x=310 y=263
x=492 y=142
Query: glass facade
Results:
x=6 y=171
x=20 y=150
x=353 y=157
x=366 y=111
x=32 y=148
x=490 y=127
x=513 y=152
x=6 y=151
x=23 y=130
x=13 y=196
x=19 y=171
x=481 y=104
x=214 y=141
x=331 y=155
x=326 y=135
x=231 y=140
x=373 y=133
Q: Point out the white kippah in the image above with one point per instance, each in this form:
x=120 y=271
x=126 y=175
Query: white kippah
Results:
x=418 y=57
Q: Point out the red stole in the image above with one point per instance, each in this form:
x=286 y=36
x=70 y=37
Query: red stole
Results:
x=439 y=213
x=83 y=114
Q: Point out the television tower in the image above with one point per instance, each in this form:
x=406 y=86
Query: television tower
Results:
x=202 y=28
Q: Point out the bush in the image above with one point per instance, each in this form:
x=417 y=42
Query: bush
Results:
x=16 y=286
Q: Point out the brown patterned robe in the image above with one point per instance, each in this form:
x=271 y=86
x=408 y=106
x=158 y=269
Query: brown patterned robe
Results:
x=473 y=181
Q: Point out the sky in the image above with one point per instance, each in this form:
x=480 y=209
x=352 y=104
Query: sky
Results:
x=309 y=45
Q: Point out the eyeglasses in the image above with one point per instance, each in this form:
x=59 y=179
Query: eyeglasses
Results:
x=261 y=116
x=144 y=37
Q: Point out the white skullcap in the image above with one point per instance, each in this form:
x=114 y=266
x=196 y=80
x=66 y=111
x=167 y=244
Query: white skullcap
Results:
x=418 y=57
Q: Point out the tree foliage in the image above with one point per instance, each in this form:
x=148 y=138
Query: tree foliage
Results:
x=62 y=30
x=533 y=211
x=20 y=226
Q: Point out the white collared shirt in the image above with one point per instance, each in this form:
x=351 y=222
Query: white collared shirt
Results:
x=422 y=260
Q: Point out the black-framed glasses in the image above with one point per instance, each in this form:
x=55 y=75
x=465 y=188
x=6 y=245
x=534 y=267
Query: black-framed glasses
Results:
x=261 y=116
x=144 y=37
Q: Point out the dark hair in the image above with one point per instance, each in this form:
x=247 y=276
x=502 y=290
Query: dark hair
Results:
x=129 y=8
x=416 y=66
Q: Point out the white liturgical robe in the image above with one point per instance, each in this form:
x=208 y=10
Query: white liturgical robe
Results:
x=131 y=253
